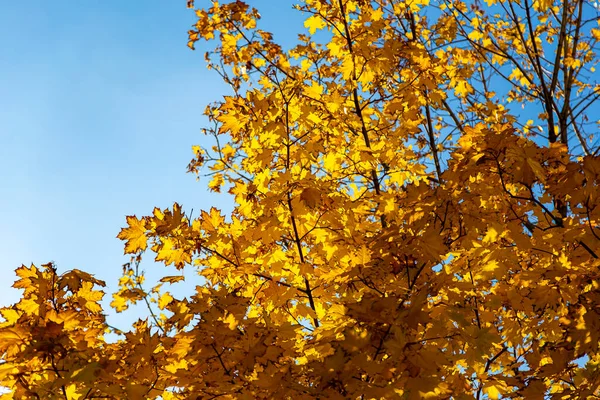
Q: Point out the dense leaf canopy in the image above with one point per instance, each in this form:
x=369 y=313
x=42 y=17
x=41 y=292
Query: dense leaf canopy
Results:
x=417 y=215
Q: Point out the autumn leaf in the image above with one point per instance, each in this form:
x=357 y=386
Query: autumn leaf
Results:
x=72 y=393
x=314 y=23
x=310 y=197
x=11 y=336
x=164 y=300
x=90 y=297
x=134 y=235
x=10 y=316
x=172 y=279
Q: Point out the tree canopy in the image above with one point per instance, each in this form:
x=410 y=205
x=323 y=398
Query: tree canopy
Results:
x=417 y=215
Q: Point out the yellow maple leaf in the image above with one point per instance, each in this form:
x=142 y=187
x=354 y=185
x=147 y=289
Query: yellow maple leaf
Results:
x=171 y=252
x=174 y=366
x=362 y=256
x=463 y=88
x=164 y=300
x=314 y=90
x=231 y=122
x=91 y=297
x=313 y=23
x=493 y=390
x=490 y=236
x=119 y=303
x=135 y=234
x=11 y=336
x=10 y=316
x=72 y=392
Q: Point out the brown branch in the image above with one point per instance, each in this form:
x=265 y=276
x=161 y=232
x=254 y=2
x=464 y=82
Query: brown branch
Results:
x=432 y=144
x=220 y=359
x=357 y=107
x=488 y=365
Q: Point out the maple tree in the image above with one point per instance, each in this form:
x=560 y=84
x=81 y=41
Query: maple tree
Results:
x=417 y=215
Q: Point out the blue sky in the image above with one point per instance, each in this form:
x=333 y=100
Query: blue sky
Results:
x=101 y=102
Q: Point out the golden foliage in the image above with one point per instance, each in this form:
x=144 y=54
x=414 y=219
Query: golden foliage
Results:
x=416 y=216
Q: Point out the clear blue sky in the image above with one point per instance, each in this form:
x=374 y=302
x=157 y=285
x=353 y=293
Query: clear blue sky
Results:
x=101 y=102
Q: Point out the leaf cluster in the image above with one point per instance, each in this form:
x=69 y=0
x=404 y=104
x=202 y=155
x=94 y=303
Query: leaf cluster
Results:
x=417 y=215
